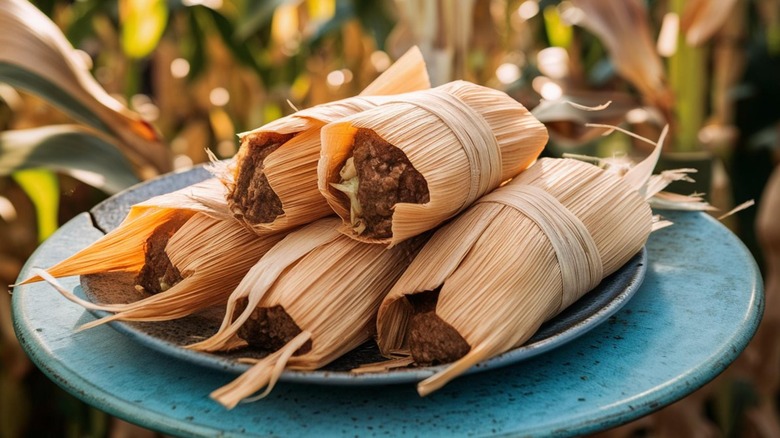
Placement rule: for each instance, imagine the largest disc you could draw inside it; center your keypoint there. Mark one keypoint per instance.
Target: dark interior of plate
(169, 337)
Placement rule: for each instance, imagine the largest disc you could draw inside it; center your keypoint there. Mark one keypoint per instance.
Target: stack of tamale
(525, 238)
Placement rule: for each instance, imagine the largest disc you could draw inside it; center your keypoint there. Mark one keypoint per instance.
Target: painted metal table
(698, 307)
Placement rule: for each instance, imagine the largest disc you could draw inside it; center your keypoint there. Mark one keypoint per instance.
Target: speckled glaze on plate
(169, 337)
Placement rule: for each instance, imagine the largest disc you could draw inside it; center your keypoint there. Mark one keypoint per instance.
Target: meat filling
(431, 340)
(269, 329)
(158, 273)
(252, 197)
(375, 178)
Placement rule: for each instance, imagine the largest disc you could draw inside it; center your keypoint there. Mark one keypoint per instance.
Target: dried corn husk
(328, 284)
(522, 254)
(122, 249)
(279, 191)
(213, 255)
(462, 138)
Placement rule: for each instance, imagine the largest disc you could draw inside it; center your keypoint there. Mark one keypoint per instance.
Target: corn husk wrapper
(522, 254)
(464, 139)
(122, 248)
(291, 170)
(212, 255)
(330, 285)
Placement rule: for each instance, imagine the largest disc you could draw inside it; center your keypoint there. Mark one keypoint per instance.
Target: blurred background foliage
(96, 95)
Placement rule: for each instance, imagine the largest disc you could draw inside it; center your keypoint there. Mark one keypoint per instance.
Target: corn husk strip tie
(576, 251)
(474, 134)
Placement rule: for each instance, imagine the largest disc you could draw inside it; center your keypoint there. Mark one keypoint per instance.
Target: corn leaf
(623, 27)
(257, 15)
(78, 151)
(36, 56)
(143, 23)
(42, 187)
(701, 19)
(559, 33)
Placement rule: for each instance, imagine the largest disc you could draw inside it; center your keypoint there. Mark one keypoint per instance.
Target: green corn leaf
(16, 76)
(258, 15)
(238, 47)
(42, 187)
(143, 24)
(559, 33)
(36, 56)
(80, 152)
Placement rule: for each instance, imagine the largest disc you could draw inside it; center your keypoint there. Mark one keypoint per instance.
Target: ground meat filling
(385, 178)
(158, 273)
(269, 328)
(431, 340)
(252, 197)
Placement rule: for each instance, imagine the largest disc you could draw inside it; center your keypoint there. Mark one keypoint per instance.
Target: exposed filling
(431, 340)
(374, 179)
(269, 328)
(251, 195)
(158, 273)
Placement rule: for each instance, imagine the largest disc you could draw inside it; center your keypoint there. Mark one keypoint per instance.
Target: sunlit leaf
(285, 23)
(559, 33)
(35, 55)
(624, 28)
(142, 24)
(237, 47)
(83, 13)
(321, 10)
(42, 187)
(701, 19)
(271, 111)
(81, 152)
(258, 14)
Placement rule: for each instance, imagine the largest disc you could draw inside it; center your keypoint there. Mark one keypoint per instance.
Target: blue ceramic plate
(168, 337)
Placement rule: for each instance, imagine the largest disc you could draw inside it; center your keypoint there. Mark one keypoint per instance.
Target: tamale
(186, 255)
(310, 299)
(122, 249)
(486, 281)
(211, 257)
(272, 181)
(419, 159)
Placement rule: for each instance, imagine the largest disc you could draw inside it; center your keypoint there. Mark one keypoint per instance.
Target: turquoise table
(699, 305)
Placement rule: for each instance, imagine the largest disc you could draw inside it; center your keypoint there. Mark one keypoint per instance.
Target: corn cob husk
(122, 249)
(278, 191)
(463, 139)
(329, 285)
(520, 255)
